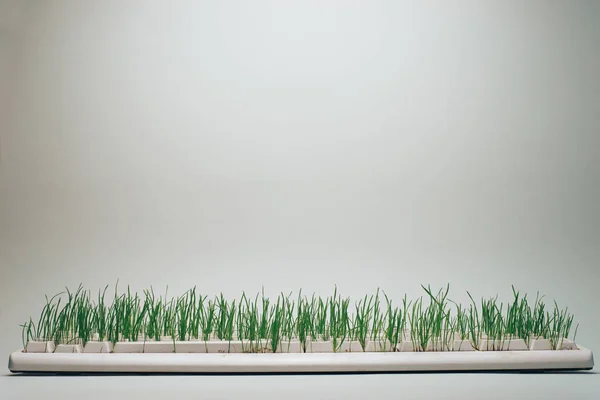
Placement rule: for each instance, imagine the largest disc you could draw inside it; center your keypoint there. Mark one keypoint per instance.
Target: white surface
(69, 348)
(495, 386)
(239, 144)
(298, 363)
(98, 347)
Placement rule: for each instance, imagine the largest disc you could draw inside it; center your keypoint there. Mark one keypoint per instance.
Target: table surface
(555, 385)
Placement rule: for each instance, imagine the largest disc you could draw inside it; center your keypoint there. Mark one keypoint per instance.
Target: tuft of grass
(559, 326)
(362, 320)
(395, 322)
(474, 324)
(321, 325)
(27, 332)
(100, 316)
(74, 317)
(264, 318)
(377, 320)
(184, 311)
(222, 315)
(438, 316)
(84, 318)
(230, 322)
(461, 322)
(207, 319)
(154, 309)
(277, 316)
(421, 320)
(304, 321)
(539, 323)
(492, 321)
(339, 321)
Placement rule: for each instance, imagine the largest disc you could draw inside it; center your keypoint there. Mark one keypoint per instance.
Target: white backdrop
(300, 144)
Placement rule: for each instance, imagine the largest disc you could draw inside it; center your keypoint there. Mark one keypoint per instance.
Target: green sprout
(76, 317)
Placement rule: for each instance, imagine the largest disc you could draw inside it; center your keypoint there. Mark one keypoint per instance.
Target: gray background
(300, 144)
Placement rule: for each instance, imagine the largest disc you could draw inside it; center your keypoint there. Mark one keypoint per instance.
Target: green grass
(99, 316)
(492, 323)
(438, 317)
(304, 321)
(207, 319)
(474, 323)
(289, 320)
(78, 316)
(421, 320)
(395, 322)
(184, 310)
(559, 327)
(320, 317)
(362, 320)
(247, 321)
(277, 316)
(154, 309)
(460, 322)
(265, 317)
(339, 319)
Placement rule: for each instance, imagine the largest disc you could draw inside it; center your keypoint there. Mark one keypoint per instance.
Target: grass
(474, 324)
(288, 325)
(438, 317)
(289, 321)
(99, 316)
(420, 320)
(207, 319)
(339, 320)
(184, 311)
(377, 320)
(247, 324)
(560, 323)
(362, 320)
(154, 309)
(492, 323)
(320, 318)
(461, 322)
(275, 325)
(264, 318)
(304, 321)
(395, 322)
(433, 320)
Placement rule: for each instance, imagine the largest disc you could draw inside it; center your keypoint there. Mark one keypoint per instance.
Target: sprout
(395, 322)
(362, 320)
(76, 317)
